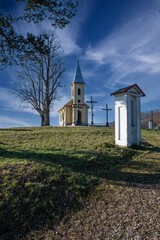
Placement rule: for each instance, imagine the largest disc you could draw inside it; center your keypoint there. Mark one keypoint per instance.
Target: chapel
(75, 112)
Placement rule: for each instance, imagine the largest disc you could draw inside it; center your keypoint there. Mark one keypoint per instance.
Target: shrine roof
(126, 89)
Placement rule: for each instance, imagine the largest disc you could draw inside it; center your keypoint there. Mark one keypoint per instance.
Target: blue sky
(117, 43)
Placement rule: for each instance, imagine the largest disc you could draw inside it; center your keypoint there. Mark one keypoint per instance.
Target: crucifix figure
(78, 114)
(107, 110)
(92, 115)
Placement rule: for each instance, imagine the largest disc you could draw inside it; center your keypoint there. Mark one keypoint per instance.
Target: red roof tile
(126, 89)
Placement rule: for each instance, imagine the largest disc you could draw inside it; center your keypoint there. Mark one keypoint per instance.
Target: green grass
(48, 173)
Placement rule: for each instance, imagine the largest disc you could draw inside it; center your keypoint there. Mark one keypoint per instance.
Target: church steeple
(75, 111)
(77, 87)
(78, 78)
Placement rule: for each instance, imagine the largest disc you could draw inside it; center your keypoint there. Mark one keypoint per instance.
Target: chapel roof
(126, 89)
(78, 78)
(70, 104)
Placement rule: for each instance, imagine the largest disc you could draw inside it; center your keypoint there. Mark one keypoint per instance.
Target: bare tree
(40, 77)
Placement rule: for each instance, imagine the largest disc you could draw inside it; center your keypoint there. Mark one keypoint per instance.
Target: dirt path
(119, 210)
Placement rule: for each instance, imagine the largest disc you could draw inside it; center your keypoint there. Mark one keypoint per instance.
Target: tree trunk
(47, 104)
(42, 120)
(47, 118)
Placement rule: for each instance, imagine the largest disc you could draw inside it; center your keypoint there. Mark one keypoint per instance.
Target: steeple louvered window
(79, 91)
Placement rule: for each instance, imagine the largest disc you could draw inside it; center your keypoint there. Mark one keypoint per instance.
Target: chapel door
(79, 117)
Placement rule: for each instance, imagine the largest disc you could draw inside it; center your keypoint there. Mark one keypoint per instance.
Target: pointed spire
(78, 78)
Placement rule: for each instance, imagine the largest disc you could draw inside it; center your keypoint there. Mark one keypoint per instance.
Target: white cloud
(59, 104)
(68, 41)
(66, 36)
(131, 49)
(10, 102)
(10, 122)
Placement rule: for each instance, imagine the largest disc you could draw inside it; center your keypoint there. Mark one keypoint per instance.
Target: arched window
(79, 91)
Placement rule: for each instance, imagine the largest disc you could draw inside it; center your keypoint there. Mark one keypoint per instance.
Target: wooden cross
(107, 110)
(92, 115)
(152, 117)
(78, 107)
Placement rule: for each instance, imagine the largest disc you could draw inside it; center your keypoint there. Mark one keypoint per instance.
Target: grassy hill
(74, 183)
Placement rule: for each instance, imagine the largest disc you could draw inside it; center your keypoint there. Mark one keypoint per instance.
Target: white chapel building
(75, 112)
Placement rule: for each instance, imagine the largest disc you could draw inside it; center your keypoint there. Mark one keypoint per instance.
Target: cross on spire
(92, 115)
(107, 110)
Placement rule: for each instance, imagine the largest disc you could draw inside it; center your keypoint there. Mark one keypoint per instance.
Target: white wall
(74, 93)
(138, 120)
(127, 120)
(121, 120)
(61, 118)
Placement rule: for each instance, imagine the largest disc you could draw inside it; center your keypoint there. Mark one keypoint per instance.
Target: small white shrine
(128, 116)
(150, 124)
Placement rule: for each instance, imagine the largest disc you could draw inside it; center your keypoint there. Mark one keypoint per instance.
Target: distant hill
(145, 117)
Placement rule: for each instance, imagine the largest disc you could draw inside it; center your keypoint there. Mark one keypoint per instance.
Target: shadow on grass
(17, 130)
(50, 194)
(99, 165)
(88, 163)
(145, 146)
